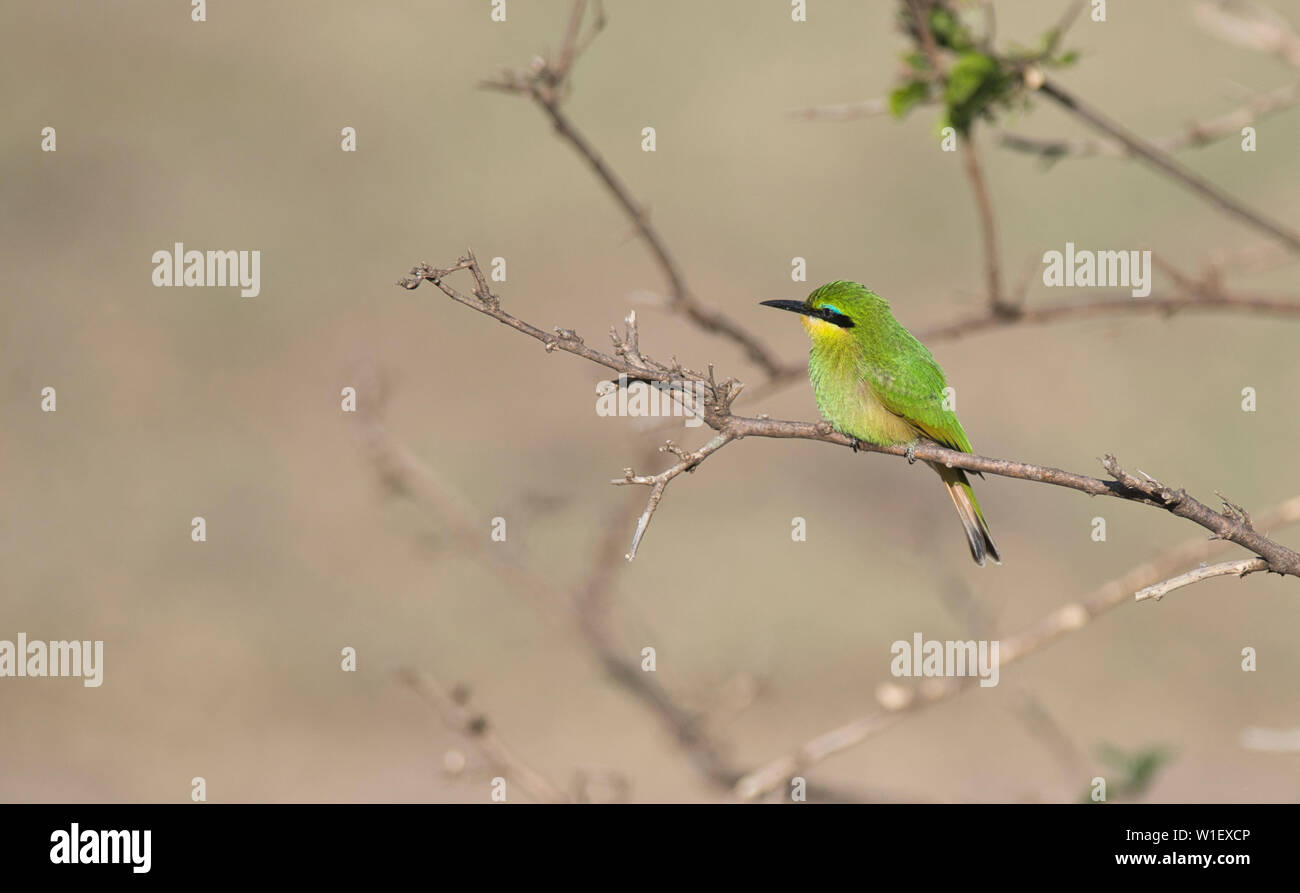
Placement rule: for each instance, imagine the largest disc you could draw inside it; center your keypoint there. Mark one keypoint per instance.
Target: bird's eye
(833, 309)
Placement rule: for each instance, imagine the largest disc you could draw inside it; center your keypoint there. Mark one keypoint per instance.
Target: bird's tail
(968, 509)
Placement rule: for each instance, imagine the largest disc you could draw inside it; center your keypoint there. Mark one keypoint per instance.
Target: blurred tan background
(222, 658)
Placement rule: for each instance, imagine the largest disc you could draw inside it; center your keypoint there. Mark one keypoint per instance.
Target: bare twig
(1195, 134)
(1169, 166)
(988, 229)
(1258, 258)
(1068, 18)
(920, 12)
(1271, 740)
(1239, 568)
(658, 482)
(1250, 25)
(848, 111)
(569, 47)
(1219, 302)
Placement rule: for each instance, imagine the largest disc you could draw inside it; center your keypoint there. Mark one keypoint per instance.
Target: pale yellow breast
(872, 422)
(847, 401)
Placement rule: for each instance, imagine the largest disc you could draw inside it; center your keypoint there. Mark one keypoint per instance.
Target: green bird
(878, 384)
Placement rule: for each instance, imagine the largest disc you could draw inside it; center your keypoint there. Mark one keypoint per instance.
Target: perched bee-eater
(876, 383)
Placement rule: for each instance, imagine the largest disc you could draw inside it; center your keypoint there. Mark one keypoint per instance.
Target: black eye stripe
(834, 318)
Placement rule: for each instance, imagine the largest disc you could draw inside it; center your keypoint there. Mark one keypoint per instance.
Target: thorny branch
(547, 85)
(716, 413)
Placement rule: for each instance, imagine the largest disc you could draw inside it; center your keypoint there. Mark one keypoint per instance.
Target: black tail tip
(982, 548)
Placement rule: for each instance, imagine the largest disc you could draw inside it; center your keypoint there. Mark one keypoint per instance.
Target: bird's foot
(910, 453)
(854, 443)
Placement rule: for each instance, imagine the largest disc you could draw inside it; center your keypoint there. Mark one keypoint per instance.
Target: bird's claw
(854, 443)
(910, 453)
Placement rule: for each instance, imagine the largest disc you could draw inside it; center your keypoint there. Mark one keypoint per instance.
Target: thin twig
(1169, 166)
(1250, 25)
(659, 482)
(998, 305)
(919, 10)
(988, 229)
(1220, 302)
(1240, 568)
(1194, 135)
(848, 111)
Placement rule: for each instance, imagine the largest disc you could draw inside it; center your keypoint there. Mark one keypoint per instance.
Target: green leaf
(975, 81)
(967, 76)
(1135, 770)
(902, 99)
(949, 30)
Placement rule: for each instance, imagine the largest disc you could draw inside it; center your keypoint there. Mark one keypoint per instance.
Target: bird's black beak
(792, 306)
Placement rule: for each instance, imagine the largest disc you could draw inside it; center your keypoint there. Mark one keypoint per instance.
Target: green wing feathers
(909, 383)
